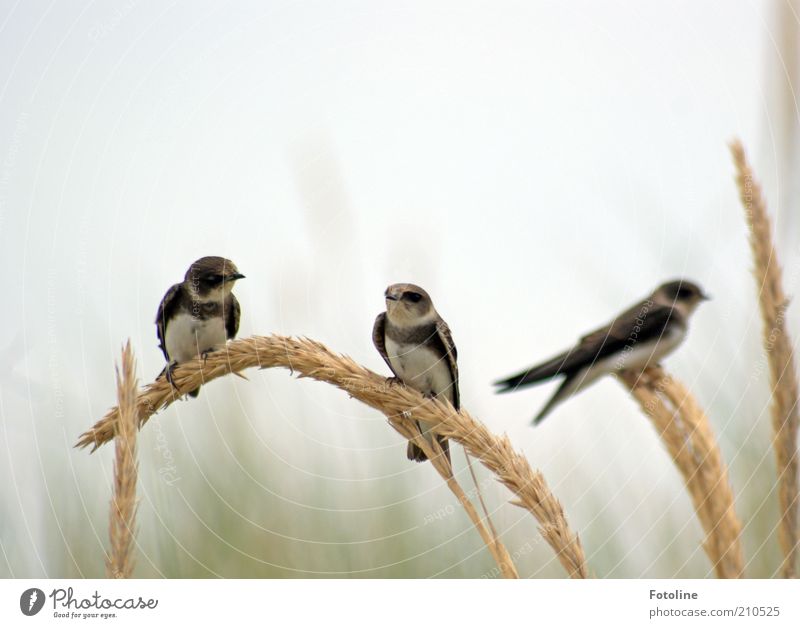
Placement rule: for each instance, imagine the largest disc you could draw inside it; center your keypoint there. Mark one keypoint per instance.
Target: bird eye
(414, 297)
(684, 293)
(213, 279)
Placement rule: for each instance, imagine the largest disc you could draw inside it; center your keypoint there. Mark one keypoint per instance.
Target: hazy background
(536, 166)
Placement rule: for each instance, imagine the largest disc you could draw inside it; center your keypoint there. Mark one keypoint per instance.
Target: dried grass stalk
(687, 435)
(445, 470)
(401, 405)
(122, 519)
(778, 345)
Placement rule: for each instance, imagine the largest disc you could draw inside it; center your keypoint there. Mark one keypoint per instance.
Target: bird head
(682, 294)
(408, 305)
(212, 278)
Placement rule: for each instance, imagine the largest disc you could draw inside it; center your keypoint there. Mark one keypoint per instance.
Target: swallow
(638, 337)
(200, 314)
(418, 347)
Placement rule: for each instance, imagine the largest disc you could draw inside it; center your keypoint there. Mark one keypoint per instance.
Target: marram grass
(122, 518)
(402, 406)
(689, 439)
(778, 346)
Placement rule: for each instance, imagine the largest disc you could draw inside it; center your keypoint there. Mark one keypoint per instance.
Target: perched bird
(199, 314)
(417, 345)
(638, 337)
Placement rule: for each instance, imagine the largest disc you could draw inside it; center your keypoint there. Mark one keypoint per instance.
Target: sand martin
(638, 337)
(417, 345)
(199, 314)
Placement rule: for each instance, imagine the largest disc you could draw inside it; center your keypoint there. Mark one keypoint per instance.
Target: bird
(199, 314)
(417, 345)
(638, 337)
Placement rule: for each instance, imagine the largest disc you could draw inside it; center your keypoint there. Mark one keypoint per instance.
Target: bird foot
(167, 372)
(389, 382)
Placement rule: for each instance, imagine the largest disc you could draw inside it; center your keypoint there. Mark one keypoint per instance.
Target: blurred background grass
(536, 166)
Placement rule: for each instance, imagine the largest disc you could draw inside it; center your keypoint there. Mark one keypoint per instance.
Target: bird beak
(391, 297)
(235, 276)
(705, 297)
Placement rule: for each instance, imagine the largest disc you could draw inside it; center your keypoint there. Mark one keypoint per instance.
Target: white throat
(400, 317)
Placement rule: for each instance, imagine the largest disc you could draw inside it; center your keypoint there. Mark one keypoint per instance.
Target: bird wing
(232, 317)
(638, 323)
(446, 338)
(379, 338)
(165, 311)
(598, 344)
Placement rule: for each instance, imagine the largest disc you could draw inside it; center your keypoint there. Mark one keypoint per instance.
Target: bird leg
(167, 372)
